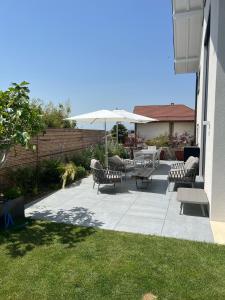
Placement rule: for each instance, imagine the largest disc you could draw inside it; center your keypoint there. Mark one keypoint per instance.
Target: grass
(57, 261)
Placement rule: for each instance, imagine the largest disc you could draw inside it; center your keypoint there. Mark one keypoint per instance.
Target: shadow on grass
(18, 242)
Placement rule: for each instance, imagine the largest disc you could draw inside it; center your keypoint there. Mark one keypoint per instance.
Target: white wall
(215, 136)
(181, 127)
(154, 129)
(218, 114)
(151, 130)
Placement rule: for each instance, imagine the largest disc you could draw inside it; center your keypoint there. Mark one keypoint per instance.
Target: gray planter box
(15, 207)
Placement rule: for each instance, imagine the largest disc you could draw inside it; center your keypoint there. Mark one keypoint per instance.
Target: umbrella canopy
(133, 118)
(100, 116)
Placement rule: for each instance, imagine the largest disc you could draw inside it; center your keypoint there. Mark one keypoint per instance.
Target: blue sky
(97, 53)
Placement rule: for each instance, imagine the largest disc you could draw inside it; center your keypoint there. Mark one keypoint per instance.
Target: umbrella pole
(117, 132)
(106, 148)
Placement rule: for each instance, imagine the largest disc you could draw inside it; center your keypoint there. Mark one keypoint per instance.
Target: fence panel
(54, 143)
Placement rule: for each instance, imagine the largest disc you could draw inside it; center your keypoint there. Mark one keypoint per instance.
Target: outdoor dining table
(147, 152)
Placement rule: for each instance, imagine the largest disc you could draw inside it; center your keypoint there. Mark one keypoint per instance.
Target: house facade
(199, 47)
(171, 119)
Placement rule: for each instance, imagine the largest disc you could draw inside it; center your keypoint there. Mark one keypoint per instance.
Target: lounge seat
(186, 173)
(181, 164)
(118, 164)
(104, 176)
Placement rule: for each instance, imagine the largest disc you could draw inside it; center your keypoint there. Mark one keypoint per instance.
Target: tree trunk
(3, 157)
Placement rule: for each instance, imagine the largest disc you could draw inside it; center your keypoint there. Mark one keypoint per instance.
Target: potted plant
(12, 199)
(178, 142)
(161, 141)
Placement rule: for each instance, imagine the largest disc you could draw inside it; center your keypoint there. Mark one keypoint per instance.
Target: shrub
(49, 172)
(25, 179)
(83, 158)
(12, 193)
(68, 172)
(181, 140)
(159, 141)
(117, 149)
(80, 172)
(98, 152)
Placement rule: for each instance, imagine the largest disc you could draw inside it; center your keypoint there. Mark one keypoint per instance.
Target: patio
(148, 211)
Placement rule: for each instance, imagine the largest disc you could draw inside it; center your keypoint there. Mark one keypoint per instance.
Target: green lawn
(56, 261)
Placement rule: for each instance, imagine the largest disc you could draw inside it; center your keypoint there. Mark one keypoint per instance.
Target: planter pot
(162, 155)
(179, 154)
(15, 207)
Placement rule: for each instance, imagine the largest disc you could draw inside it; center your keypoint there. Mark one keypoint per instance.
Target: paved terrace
(150, 211)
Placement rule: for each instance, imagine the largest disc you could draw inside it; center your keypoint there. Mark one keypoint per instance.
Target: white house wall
(181, 127)
(154, 129)
(218, 128)
(151, 130)
(215, 138)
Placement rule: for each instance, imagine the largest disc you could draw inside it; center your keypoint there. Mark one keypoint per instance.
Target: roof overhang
(187, 31)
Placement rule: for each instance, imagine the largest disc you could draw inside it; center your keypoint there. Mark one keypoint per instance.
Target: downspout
(196, 100)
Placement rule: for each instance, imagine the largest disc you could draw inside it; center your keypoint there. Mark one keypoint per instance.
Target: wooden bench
(192, 196)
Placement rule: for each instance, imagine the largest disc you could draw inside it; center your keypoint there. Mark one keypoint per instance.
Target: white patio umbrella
(100, 116)
(133, 118)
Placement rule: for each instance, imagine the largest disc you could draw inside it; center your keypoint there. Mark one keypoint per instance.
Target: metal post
(117, 132)
(106, 148)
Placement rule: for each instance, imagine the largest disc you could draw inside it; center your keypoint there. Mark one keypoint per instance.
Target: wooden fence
(55, 143)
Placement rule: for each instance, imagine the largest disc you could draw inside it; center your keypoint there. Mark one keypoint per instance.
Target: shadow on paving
(156, 186)
(163, 169)
(18, 242)
(76, 215)
(193, 210)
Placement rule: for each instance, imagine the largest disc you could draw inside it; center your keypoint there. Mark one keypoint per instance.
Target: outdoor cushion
(189, 162)
(96, 164)
(192, 165)
(116, 160)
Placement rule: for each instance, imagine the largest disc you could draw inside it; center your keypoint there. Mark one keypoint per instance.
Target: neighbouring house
(171, 119)
(199, 47)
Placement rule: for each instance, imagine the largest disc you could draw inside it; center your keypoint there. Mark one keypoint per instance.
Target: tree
(122, 132)
(54, 116)
(20, 119)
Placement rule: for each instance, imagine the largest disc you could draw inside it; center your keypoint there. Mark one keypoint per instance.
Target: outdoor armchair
(104, 176)
(186, 173)
(181, 164)
(118, 164)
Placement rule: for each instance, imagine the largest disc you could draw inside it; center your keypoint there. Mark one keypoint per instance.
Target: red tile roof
(172, 112)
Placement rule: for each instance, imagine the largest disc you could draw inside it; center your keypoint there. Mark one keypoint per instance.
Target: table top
(188, 195)
(147, 151)
(143, 172)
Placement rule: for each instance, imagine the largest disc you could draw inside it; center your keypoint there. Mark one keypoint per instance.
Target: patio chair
(104, 176)
(123, 165)
(186, 173)
(181, 164)
(157, 158)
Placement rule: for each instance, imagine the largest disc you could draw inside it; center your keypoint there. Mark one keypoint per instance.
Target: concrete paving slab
(188, 229)
(149, 211)
(140, 224)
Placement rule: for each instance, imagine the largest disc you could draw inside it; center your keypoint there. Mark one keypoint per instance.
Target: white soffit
(187, 30)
